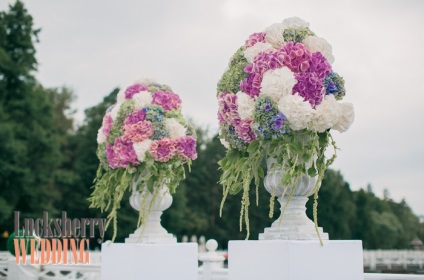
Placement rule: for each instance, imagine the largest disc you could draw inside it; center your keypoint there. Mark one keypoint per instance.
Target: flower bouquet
(279, 99)
(143, 144)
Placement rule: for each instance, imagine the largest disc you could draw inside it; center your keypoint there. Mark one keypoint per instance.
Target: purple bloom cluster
(135, 117)
(310, 70)
(136, 88)
(227, 112)
(255, 38)
(167, 100)
(121, 154)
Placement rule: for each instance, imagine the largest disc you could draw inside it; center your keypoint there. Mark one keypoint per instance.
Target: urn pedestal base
(131, 261)
(295, 260)
(294, 224)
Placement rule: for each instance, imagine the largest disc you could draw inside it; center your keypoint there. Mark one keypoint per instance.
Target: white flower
(251, 52)
(347, 115)
(326, 114)
(224, 143)
(141, 148)
(278, 83)
(294, 22)
(297, 111)
(274, 35)
(318, 44)
(142, 99)
(115, 111)
(145, 81)
(245, 105)
(101, 137)
(120, 98)
(176, 130)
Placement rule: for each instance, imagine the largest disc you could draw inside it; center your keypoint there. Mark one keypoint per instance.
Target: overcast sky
(93, 46)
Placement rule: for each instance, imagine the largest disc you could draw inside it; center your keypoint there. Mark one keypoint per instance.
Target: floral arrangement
(143, 141)
(279, 97)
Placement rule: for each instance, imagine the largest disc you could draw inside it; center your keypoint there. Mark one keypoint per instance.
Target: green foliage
(294, 152)
(296, 35)
(230, 81)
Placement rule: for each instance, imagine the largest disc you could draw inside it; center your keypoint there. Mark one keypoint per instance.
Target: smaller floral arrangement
(144, 141)
(279, 98)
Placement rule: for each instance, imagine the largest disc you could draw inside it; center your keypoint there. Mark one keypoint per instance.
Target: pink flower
(255, 38)
(136, 88)
(163, 150)
(135, 117)
(244, 131)
(168, 100)
(227, 111)
(121, 153)
(186, 146)
(138, 132)
(107, 124)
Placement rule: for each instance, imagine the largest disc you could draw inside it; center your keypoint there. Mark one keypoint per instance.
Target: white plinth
(295, 260)
(149, 261)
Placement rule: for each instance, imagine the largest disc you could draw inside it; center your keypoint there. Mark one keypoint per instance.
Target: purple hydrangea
(121, 154)
(255, 38)
(136, 88)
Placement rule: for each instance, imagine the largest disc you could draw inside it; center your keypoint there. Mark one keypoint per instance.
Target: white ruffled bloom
(245, 105)
(145, 81)
(347, 115)
(251, 52)
(115, 111)
(318, 44)
(120, 98)
(326, 114)
(294, 22)
(101, 137)
(274, 35)
(224, 143)
(141, 148)
(176, 130)
(278, 83)
(297, 111)
(142, 99)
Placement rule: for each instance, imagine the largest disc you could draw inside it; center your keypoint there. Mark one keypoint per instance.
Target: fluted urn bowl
(293, 224)
(151, 231)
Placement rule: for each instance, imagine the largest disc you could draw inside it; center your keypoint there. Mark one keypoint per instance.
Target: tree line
(48, 164)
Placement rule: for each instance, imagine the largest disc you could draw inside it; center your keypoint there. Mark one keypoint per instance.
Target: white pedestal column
(295, 260)
(134, 261)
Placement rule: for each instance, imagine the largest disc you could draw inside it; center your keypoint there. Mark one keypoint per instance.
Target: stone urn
(293, 224)
(151, 231)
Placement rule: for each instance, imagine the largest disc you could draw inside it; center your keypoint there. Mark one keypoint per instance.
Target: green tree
(29, 150)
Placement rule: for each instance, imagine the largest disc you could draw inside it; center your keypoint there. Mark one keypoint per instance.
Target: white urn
(151, 231)
(293, 224)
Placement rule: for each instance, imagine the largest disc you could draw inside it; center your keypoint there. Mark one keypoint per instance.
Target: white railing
(406, 260)
(212, 267)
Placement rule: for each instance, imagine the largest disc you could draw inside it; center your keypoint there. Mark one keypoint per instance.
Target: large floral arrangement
(144, 141)
(279, 97)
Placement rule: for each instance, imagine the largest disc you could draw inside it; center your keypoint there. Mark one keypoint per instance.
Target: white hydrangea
(115, 111)
(318, 44)
(142, 99)
(294, 22)
(101, 137)
(145, 81)
(297, 111)
(347, 115)
(245, 105)
(176, 130)
(120, 98)
(278, 83)
(326, 114)
(274, 35)
(251, 52)
(141, 148)
(224, 143)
